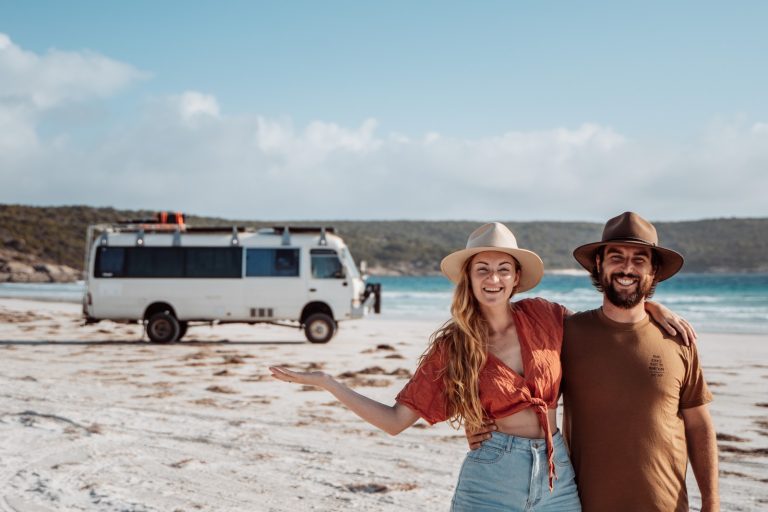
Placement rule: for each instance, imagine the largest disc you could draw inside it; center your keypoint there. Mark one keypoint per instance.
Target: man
(635, 397)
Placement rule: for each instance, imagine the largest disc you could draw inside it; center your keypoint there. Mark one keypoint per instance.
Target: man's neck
(624, 316)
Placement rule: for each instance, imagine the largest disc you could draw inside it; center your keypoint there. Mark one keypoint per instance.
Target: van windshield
(326, 264)
(349, 262)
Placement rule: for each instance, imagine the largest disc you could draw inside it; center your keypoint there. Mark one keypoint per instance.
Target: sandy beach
(95, 418)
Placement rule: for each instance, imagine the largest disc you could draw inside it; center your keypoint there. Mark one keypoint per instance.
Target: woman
(494, 360)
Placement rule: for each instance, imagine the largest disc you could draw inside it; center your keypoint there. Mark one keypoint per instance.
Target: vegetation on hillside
(57, 235)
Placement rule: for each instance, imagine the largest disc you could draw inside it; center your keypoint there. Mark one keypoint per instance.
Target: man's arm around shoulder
(702, 452)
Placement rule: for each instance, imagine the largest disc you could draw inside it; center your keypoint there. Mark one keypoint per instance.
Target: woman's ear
(517, 278)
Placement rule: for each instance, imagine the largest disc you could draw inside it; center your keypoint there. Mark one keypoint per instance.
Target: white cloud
(183, 152)
(328, 137)
(44, 81)
(193, 104)
(17, 130)
(273, 137)
(254, 167)
(5, 41)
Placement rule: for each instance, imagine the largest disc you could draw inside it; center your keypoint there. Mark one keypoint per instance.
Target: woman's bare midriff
(526, 424)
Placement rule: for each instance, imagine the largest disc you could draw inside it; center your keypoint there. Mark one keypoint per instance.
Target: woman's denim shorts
(512, 473)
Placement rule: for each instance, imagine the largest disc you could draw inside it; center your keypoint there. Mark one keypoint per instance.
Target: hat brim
(670, 264)
(531, 266)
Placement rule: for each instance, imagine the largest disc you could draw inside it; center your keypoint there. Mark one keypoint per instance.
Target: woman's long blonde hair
(463, 341)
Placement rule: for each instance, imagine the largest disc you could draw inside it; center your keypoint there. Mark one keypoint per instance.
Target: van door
(329, 282)
(273, 287)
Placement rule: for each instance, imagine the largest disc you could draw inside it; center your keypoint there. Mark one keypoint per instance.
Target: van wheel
(163, 328)
(182, 330)
(319, 328)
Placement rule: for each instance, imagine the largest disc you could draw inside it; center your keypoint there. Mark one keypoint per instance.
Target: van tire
(182, 330)
(163, 328)
(319, 328)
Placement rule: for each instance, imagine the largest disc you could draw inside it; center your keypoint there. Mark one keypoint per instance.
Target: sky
(512, 110)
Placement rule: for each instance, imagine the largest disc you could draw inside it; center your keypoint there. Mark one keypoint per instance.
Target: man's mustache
(622, 274)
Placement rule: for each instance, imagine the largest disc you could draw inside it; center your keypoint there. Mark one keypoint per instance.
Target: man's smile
(626, 281)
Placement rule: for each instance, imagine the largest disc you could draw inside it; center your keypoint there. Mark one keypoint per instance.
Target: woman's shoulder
(436, 351)
(542, 311)
(537, 304)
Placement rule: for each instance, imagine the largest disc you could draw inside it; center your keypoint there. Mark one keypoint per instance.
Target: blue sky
(510, 110)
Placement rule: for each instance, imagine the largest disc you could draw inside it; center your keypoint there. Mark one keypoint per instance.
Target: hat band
(629, 239)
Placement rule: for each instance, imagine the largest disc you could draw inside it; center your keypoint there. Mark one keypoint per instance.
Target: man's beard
(626, 299)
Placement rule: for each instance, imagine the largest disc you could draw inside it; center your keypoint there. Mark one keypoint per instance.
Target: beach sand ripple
(96, 418)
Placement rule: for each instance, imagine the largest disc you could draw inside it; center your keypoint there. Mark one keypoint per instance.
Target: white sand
(92, 419)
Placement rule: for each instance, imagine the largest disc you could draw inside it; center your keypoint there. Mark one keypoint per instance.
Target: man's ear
(597, 263)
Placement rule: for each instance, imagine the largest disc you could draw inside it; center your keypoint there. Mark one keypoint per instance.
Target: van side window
(326, 264)
(213, 262)
(169, 262)
(154, 262)
(109, 262)
(272, 263)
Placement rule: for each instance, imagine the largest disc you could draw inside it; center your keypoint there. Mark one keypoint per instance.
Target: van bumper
(371, 301)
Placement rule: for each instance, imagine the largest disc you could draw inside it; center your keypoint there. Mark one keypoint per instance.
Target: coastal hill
(47, 243)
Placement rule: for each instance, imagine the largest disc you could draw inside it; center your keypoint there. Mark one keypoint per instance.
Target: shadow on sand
(145, 343)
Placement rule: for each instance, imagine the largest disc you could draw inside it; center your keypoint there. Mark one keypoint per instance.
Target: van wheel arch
(158, 307)
(318, 322)
(161, 323)
(315, 307)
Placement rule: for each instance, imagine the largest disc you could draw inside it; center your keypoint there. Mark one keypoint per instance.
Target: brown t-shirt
(624, 386)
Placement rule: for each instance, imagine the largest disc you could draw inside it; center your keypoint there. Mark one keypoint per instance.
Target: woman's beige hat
(495, 237)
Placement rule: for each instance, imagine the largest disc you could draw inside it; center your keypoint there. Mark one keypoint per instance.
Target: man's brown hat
(631, 229)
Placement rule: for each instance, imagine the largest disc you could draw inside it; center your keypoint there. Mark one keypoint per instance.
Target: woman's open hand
(308, 378)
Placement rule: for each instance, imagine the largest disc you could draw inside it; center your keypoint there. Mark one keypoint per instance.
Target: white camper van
(169, 275)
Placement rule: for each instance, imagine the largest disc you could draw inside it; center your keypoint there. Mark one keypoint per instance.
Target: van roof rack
(303, 229)
(132, 227)
(217, 229)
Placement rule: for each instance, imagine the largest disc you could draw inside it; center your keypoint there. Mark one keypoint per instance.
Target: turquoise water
(60, 292)
(713, 302)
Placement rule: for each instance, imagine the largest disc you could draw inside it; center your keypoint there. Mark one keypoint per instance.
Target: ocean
(712, 302)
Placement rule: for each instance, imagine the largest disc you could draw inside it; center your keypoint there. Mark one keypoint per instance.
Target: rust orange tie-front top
(503, 391)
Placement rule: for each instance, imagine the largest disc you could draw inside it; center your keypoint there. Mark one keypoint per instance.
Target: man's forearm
(702, 452)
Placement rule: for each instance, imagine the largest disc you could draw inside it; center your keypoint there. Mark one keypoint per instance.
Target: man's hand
(475, 439)
(672, 322)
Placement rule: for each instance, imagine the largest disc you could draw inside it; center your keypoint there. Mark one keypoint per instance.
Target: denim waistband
(507, 442)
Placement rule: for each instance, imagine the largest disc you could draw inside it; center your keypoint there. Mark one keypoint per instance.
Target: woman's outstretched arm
(391, 419)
